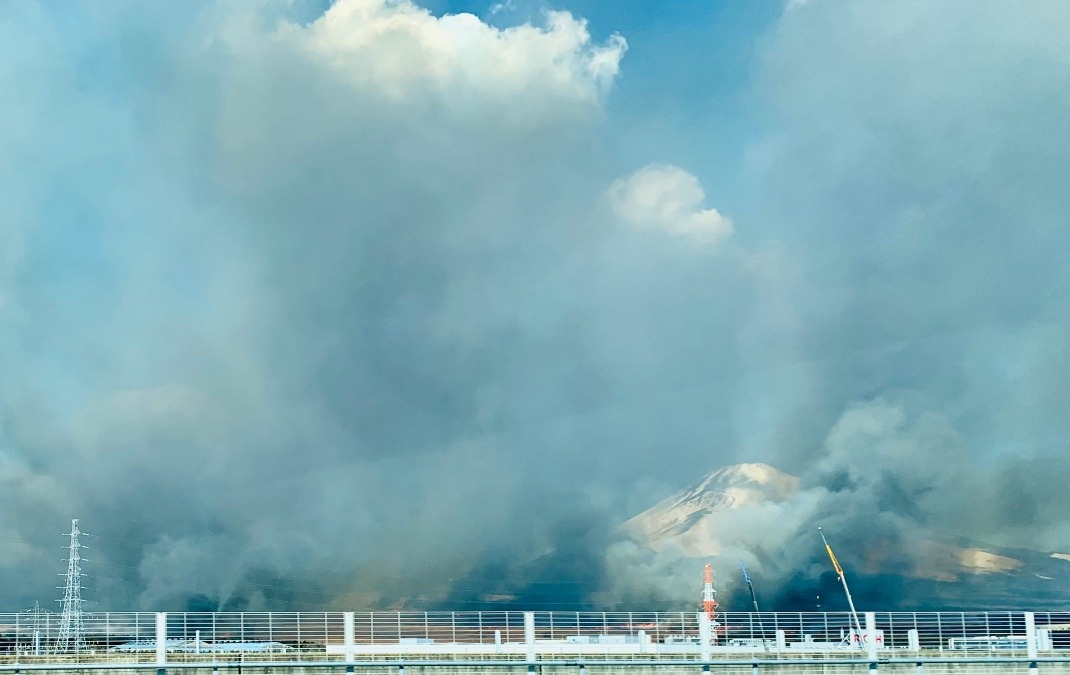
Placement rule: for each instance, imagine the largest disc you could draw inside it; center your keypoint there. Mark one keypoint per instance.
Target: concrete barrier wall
(825, 669)
(636, 668)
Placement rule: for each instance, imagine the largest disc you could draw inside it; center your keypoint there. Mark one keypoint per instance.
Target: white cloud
(398, 48)
(507, 6)
(665, 197)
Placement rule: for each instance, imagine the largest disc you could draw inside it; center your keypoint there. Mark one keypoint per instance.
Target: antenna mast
(71, 627)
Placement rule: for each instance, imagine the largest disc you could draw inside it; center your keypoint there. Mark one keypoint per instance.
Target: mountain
(692, 518)
(736, 508)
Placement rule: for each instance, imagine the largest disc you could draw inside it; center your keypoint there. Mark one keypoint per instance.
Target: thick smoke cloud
(934, 230)
(919, 371)
(357, 308)
(299, 322)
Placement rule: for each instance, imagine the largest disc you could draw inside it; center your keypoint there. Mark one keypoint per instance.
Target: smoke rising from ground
(362, 308)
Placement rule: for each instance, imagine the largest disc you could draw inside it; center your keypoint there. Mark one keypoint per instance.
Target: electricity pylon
(71, 636)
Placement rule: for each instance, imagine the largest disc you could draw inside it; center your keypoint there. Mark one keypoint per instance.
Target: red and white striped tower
(709, 602)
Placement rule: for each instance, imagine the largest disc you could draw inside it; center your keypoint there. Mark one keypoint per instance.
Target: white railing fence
(184, 637)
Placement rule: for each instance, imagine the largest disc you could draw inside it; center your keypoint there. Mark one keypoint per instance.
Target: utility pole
(37, 628)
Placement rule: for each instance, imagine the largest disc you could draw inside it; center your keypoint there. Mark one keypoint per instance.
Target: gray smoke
(296, 315)
(922, 175)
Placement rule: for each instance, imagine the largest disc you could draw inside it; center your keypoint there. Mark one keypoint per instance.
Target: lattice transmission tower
(71, 636)
(709, 600)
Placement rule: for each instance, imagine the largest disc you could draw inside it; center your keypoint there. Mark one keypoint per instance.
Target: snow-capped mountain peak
(695, 509)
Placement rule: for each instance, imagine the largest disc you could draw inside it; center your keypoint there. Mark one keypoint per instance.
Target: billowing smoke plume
(935, 233)
(360, 308)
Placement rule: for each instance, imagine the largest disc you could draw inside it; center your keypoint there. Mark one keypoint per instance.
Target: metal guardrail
(144, 640)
